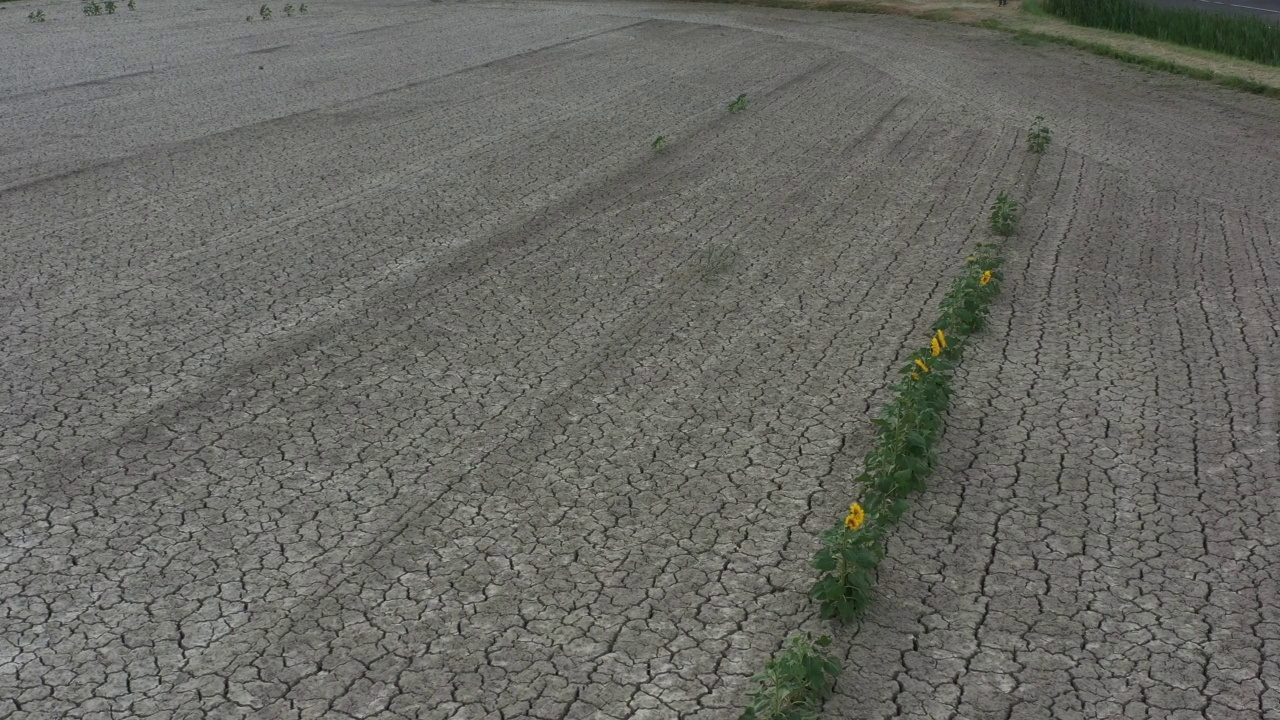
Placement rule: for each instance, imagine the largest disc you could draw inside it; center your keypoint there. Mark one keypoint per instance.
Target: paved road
(360, 366)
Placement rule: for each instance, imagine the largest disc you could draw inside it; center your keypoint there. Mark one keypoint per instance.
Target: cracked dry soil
(381, 382)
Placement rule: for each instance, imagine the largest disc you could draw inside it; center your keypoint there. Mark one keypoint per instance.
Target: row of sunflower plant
(903, 453)
(801, 677)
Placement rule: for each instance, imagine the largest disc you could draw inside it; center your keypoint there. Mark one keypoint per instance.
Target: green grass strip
(908, 426)
(1243, 36)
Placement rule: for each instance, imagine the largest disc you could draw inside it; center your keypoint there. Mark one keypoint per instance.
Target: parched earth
(363, 364)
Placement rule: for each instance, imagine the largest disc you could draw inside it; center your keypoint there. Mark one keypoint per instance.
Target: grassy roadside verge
(1037, 26)
(1243, 36)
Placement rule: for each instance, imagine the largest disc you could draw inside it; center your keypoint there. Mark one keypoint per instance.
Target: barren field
(363, 364)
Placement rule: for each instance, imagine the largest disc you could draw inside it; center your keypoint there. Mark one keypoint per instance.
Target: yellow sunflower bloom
(921, 365)
(934, 347)
(855, 518)
(986, 278)
(942, 338)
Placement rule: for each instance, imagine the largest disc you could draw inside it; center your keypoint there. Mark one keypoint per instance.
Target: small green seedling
(739, 104)
(302, 8)
(110, 6)
(248, 18)
(716, 259)
(92, 8)
(288, 11)
(37, 16)
(1038, 136)
(264, 12)
(1004, 215)
(132, 5)
(659, 143)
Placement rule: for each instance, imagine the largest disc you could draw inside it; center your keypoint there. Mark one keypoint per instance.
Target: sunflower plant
(1004, 215)
(1039, 136)
(902, 455)
(964, 308)
(794, 683)
(850, 553)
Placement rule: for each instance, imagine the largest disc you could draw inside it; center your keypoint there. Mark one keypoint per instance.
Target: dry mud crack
(381, 382)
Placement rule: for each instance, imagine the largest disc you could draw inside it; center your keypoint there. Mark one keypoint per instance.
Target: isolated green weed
(302, 9)
(739, 104)
(716, 259)
(1004, 215)
(91, 7)
(132, 5)
(659, 143)
(288, 11)
(110, 7)
(37, 16)
(264, 12)
(795, 682)
(1038, 136)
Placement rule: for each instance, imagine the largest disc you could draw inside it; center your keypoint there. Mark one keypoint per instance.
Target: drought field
(509, 359)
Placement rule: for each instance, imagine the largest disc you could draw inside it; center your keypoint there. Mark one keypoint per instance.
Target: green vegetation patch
(1039, 136)
(1004, 215)
(795, 683)
(1241, 36)
(903, 455)
(716, 259)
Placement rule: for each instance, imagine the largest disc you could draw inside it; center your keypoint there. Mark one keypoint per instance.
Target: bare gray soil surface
(362, 364)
